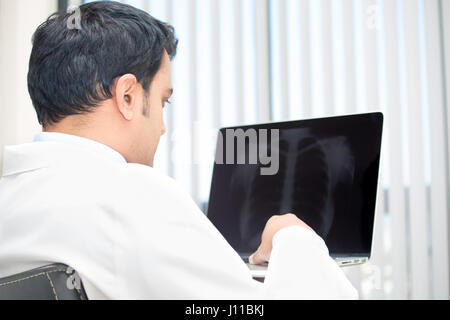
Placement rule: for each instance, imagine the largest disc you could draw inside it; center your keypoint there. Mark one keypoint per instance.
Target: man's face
(149, 125)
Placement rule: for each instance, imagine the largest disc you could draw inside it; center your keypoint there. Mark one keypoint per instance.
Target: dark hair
(71, 70)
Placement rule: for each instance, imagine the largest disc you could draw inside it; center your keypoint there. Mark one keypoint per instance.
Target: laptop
(324, 170)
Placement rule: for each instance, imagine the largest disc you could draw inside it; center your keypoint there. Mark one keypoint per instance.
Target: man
(85, 194)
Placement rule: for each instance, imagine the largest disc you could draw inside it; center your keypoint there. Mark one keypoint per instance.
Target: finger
(257, 258)
(251, 259)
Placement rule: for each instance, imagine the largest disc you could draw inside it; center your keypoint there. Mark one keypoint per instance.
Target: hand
(275, 224)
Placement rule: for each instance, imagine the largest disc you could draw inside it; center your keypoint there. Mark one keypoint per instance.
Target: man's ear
(125, 96)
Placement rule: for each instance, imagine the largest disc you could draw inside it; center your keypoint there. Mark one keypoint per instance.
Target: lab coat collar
(82, 142)
(37, 155)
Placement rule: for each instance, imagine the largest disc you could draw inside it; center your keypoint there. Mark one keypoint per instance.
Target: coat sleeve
(170, 250)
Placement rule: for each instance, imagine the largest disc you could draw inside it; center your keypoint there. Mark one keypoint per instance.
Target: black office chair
(53, 282)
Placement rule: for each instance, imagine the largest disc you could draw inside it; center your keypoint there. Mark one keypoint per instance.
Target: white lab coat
(133, 233)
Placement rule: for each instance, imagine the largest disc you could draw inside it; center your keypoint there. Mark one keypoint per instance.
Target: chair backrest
(53, 282)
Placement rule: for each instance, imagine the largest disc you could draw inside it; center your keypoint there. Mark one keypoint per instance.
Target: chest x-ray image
(323, 175)
(305, 184)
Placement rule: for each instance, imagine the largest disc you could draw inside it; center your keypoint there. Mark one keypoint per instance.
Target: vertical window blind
(248, 61)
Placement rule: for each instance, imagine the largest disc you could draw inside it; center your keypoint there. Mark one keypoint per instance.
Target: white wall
(18, 20)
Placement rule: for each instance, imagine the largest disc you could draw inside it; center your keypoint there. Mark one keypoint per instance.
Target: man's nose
(163, 130)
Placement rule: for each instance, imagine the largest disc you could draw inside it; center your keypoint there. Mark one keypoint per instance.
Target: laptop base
(259, 271)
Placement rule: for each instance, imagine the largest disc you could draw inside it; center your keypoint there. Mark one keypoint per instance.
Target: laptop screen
(323, 170)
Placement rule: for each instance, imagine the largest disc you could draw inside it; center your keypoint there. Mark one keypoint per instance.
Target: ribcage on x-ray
(264, 199)
(266, 191)
(309, 171)
(311, 185)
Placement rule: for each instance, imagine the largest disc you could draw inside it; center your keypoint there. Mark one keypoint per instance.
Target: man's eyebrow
(169, 92)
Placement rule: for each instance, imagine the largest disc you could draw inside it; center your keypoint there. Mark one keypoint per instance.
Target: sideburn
(146, 106)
